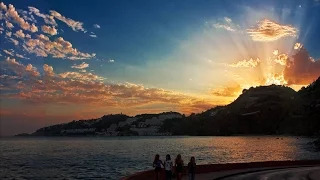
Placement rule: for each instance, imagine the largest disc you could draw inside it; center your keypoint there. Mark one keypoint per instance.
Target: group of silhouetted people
(173, 171)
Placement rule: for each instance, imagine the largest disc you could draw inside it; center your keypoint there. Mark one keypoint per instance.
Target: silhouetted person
(179, 167)
(168, 167)
(157, 165)
(192, 168)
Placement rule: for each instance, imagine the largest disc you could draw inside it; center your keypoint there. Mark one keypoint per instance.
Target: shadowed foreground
(272, 170)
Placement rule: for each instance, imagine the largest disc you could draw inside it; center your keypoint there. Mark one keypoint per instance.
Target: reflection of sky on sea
(112, 158)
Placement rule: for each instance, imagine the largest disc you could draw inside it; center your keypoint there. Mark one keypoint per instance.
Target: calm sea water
(112, 158)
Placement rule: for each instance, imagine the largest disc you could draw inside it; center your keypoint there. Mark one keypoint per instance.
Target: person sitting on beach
(157, 165)
(192, 168)
(168, 167)
(179, 167)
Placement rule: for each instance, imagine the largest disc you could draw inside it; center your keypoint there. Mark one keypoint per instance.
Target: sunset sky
(71, 60)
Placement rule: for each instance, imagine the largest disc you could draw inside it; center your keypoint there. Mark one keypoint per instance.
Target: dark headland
(264, 110)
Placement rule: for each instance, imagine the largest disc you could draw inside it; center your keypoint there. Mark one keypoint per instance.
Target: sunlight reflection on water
(111, 158)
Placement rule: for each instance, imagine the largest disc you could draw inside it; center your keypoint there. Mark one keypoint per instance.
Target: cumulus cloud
(89, 89)
(19, 34)
(49, 30)
(47, 18)
(21, 70)
(14, 15)
(79, 76)
(8, 34)
(96, 26)
(267, 30)
(9, 25)
(74, 25)
(80, 66)
(251, 63)
(302, 69)
(59, 48)
(228, 91)
(3, 6)
(93, 35)
(281, 59)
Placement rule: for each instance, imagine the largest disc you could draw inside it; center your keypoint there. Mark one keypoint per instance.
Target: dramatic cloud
(47, 18)
(13, 14)
(19, 34)
(88, 89)
(270, 31)
(75, 25)
(80, 66)
(96, 26)
(60, 48)
(228, 91)
(251, 63)
(297, 46)
(302, 69)
(281, 59)
(21, 70)
(93, 35)
(275, 78)
(49, 30)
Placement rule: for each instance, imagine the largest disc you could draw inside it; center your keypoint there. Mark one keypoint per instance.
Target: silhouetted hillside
(261, 110)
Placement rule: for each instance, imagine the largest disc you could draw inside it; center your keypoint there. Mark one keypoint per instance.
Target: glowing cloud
(49, 30)
(297, 46)
(281, 59)
(251, 63)
(88, 89)
(302, 69)
(13, 14)
(19, 34)
(228, 91)
(277, 79)
(60, 48)
(271, 31)
(8, 34)
(9, 25)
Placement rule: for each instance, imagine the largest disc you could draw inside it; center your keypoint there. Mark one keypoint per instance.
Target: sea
(116, 157)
